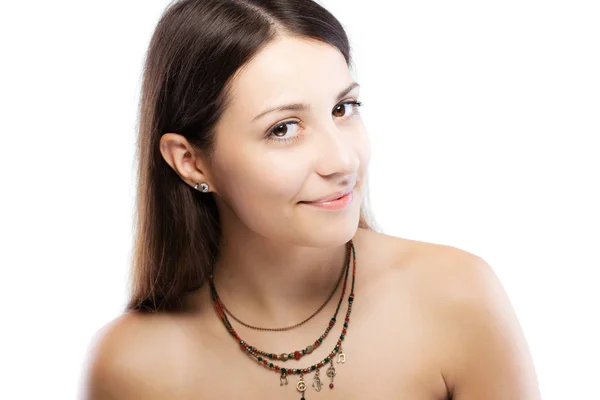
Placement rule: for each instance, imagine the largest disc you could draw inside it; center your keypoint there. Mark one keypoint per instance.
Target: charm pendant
(341, 357)
(317, 382)
(331, 374)
(301, 385)
(283, 380)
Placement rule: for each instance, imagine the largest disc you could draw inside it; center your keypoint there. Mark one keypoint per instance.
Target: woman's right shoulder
(138, 355)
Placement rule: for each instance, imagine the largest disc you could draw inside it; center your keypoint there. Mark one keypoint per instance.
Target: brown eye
(346, 109)
(339, 111)
(284, 131)
(280, 130)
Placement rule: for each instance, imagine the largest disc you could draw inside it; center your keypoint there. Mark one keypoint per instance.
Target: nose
(337, 151)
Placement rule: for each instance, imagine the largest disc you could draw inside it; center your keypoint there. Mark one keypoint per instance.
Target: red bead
(317, 343)
(331, 386)
(297, 355)
(343, 331)
(320, 364)
(347, 319)
(277, 368)
(274, 356)
(331, 323)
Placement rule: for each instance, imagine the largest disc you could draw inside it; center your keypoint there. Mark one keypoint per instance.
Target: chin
(329, 233)
(314, 227)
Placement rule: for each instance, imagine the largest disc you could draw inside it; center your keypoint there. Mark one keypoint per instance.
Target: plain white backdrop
(484, 120)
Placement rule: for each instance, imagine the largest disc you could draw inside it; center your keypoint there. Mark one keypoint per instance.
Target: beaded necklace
(284, 372)
(287, 328)
(284, 356)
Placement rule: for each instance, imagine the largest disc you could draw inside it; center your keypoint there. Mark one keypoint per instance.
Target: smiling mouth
(338, 196)
(323, 201)
(334, 204)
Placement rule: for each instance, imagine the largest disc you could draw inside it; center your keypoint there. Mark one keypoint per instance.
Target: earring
(203, 187)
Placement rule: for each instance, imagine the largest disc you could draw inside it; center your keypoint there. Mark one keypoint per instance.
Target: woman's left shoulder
(445, 270)
(481, 341)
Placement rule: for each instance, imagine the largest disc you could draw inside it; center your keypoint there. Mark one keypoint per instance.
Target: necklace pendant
(301, 385)
(317, 385)
(331, 374)
(341, 357)
(283, 380)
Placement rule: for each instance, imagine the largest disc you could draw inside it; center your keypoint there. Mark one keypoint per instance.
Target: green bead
(326, 359)
(260, 358)
(271, 365)
(298, 371)
(283, 370)
(320, 340)
(342, 337)
(313, 367)
(346, 325)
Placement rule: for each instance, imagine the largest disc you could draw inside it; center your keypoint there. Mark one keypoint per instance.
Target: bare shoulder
(434, 268)
(141, 355)
(448, 274)
(482, 346)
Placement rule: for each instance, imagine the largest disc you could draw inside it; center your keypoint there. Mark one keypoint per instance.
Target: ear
(181, 156)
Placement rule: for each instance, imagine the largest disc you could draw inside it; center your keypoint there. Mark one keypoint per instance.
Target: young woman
(257, 273)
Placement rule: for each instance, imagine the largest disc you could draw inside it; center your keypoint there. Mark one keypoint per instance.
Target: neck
(272, 283)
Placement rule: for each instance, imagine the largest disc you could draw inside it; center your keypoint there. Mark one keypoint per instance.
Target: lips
(331, 197)
(339, 204)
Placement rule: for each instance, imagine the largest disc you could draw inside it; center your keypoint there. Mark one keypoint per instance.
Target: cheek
(252, 184)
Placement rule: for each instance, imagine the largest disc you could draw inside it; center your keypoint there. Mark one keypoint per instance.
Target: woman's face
(267, 161)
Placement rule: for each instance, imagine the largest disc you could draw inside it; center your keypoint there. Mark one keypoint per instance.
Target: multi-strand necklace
(287, 328)
(266, 359)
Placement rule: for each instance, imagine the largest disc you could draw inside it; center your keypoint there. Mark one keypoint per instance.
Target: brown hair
(197, 46)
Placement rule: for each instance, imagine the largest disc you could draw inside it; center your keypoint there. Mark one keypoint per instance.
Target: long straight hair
(196, 48)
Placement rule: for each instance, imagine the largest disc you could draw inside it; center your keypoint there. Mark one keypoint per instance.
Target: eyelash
(271, 137)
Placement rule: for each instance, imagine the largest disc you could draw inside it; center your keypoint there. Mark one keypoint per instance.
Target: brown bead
(310, 349)
(284, 356)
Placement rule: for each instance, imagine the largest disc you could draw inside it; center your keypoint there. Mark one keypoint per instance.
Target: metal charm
(301, 385)
(341, 357)
(331, 371)
(317, 382)
(283, 380)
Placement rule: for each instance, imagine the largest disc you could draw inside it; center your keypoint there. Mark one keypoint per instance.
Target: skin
(429, 322)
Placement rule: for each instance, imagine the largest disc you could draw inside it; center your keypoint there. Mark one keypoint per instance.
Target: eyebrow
(303, 107)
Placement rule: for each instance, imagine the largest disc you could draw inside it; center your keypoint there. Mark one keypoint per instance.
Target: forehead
(288, 70)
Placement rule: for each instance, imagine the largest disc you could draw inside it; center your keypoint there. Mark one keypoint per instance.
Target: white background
(484, 119)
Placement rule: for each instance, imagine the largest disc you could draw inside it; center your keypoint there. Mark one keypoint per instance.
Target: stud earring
(203, 187)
